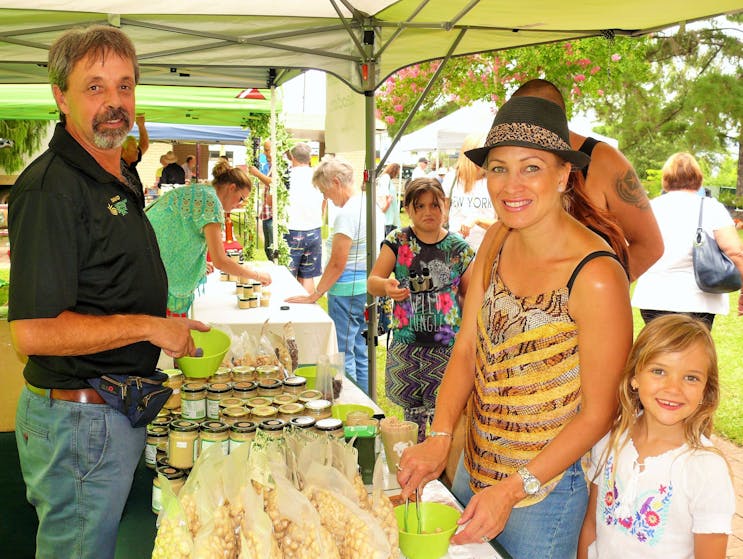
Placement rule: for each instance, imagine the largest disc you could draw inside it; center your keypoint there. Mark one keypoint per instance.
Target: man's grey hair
(302, 153)
(330, 168)
(98, 41)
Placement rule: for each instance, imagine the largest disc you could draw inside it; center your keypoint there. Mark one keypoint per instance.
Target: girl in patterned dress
(659, 488)
(431, 274)
(545, 334)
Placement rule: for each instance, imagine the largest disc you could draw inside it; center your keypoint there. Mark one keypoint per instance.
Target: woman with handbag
(669, 286)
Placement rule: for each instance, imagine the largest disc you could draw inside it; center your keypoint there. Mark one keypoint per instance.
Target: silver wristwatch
(531, 483)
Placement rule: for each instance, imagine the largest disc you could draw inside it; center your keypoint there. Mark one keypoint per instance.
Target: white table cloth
(313, 328)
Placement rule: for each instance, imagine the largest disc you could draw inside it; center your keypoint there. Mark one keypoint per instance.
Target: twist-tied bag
(714, 272)
(139, 398)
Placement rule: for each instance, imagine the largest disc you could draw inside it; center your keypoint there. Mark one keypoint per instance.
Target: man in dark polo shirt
(87, 297)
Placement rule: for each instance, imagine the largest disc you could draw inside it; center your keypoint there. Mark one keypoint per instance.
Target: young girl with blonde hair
(659, 487)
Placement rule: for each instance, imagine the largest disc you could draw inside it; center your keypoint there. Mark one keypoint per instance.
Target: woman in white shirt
(669, 285)
(470, 208)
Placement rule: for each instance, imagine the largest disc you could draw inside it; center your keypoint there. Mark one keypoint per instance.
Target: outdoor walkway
(734, 455)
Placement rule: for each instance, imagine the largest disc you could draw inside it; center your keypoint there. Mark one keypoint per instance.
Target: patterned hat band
(522, 132)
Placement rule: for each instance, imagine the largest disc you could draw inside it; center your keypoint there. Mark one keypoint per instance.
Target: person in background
(387, 197)
(87, 298)
(669, 285)
(421, 170)
(266, 214)
(470, 208)
(172, 172)
(159, 172)
(189, 167)
(611, 184)
(659, 487)
(531, 360)
(188, 221)
(431, 273)
(132, 151)
(305, 210)
(344, 278)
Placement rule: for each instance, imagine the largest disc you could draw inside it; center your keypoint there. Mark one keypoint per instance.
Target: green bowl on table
(310, 373)
(438, 524)
(214, 345)
(341, 411)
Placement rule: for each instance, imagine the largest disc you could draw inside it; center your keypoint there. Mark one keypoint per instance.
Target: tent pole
(371, 227)
(274, 177)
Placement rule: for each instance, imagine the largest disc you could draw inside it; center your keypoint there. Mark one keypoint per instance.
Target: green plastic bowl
(341, 411)
(439, 522)
(214, 344)
(310, 373)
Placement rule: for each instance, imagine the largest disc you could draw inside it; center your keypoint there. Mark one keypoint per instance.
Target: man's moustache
(113, 114)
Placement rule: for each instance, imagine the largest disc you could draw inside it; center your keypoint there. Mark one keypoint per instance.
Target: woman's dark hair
(232, 175)
(416, 188)
(579, 205)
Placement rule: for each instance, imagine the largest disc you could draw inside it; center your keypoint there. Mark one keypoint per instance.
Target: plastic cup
(396, 437)
(439, 522)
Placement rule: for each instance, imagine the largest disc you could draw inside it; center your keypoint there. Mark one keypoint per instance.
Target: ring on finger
(399, 468)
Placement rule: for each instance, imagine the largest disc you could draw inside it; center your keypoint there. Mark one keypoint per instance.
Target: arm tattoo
(631, 192)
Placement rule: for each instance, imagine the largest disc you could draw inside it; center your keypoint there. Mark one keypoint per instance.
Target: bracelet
(439, 434)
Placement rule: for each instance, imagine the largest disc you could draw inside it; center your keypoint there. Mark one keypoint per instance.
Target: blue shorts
(305, 252)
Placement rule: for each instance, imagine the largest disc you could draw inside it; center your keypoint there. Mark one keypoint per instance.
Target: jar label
(212, 409)
(150, 454)
(157, 496)
(193, 409)
(181, 444)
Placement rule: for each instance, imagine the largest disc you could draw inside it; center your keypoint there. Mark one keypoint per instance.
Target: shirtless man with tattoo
(612, 184)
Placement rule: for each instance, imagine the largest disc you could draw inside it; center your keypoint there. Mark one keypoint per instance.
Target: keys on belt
(80, 395)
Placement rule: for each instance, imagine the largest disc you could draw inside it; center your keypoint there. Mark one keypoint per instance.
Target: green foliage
(26, 136)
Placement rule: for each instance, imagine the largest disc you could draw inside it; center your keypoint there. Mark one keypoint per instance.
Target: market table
(313, 328)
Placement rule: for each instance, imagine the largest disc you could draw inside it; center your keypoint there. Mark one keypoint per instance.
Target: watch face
(531, 486)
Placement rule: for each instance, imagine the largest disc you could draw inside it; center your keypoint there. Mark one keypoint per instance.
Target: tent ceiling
(236, 44)
(216, 106)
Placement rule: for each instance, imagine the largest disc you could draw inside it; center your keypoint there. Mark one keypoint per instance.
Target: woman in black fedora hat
(546, 330)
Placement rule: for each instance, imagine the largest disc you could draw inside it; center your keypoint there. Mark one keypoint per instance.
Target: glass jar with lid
(288, 411)
(245, 389)
(295, 385)
(182, 447)
(243, 373)
(222, 374)
(274, 428)
(330, 426)
(268, 371)
(230, 402)
(309, 395)
(241, 432)
(215, 433)
(258, 402)
(319, 409)
(176, 478)
(302, 422)
(233, 414)
(264, 412)
(174, 382)
(157, 439)
(285, 398)
(193, 401)
(215, 393)
(270, 387)
(161, 421)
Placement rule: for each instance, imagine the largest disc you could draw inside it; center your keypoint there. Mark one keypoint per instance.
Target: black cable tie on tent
(608, 34)
(271, 78)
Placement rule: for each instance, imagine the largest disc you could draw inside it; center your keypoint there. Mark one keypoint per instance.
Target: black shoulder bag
(713, 270)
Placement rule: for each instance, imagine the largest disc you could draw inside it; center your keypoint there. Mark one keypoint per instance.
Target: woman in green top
(188, 221)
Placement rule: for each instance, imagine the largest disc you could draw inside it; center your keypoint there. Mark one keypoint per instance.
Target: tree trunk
(739, 185)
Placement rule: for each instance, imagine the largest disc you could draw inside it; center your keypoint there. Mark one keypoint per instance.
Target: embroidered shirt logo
(117, 206)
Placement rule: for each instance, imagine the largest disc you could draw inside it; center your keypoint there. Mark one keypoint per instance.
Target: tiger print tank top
(527, 380)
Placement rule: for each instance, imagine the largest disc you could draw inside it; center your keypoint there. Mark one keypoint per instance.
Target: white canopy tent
(234, 43)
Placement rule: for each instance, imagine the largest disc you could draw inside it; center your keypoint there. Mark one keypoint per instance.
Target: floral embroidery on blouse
(643, 516)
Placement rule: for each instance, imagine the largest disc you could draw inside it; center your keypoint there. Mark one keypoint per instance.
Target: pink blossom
(444, 303)
(389, 119)
(576, 91)
(493, 97)
(579, 78)
(470, 74)
(583, 62)
(595, 69)
(398, 108)
(378, 113)
(413, 88)
(405, 255)
(401, 315)
(600, 92)
(616, 57)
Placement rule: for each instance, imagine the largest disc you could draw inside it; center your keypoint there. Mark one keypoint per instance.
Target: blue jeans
(348, 315)
(78, 463)
(548, 529)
